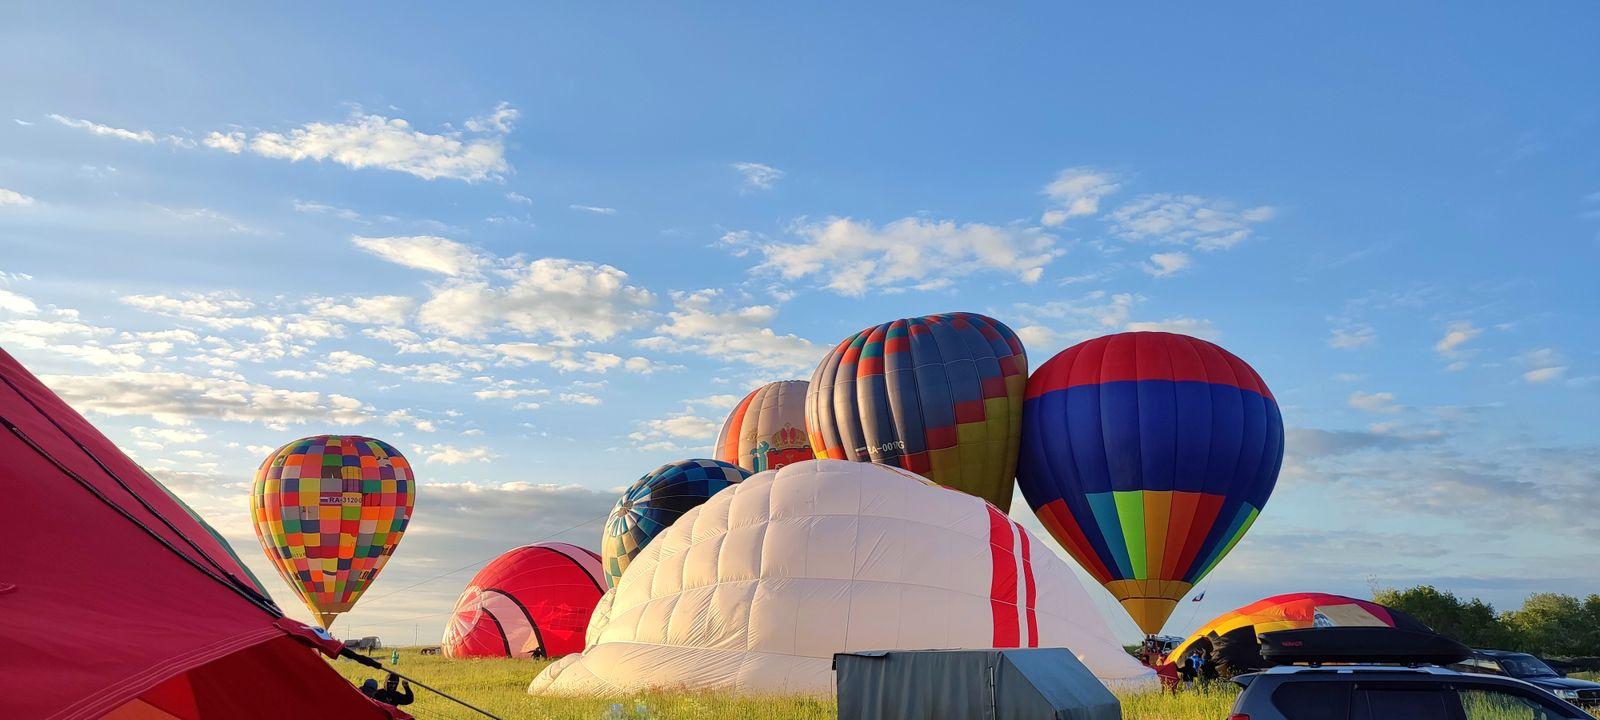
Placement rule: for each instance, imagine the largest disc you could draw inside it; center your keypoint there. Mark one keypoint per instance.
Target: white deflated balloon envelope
(754, 591)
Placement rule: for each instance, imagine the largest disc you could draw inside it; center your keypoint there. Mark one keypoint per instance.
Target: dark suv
(1533, 671)
(1329, 674)
(1388, 692)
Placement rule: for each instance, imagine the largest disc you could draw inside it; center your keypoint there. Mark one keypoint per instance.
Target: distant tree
(1552, 624)
(1472, 622)
(1591, 624)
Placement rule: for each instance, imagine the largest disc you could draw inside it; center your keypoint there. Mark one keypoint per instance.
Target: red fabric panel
(102, 612)
(1003, 581)
(1027, 576)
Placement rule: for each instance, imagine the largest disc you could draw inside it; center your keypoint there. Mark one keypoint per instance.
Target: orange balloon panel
(329, 511)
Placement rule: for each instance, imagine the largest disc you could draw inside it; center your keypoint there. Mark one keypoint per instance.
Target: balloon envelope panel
(1294, 611)
(532, 601)
(654, 502)
(939, 395)
(1148, 456)
(329, 511)
(767, 429)
(754, 591)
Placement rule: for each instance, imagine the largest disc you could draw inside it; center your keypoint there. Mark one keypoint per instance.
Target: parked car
(1533, 671)
(1383, 674)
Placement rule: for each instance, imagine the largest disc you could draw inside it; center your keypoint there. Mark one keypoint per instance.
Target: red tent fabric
(117, 602)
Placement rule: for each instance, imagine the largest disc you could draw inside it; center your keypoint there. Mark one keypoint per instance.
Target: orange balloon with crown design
(767, 429)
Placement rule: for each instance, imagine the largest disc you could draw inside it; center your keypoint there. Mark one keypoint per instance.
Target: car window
(1389, 704)
(1313, 700)
(1494, 704)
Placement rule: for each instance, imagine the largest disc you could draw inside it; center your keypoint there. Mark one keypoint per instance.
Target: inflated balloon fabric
(654, 502)
(754, 591)
(532, 601)
(1148, 455)
(1292, 611)
(767, 429)
(939, 395)
(329, 511)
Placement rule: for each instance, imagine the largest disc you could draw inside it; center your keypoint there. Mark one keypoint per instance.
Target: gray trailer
(1031, 683)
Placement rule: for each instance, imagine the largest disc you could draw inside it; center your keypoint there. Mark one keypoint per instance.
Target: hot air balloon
(654, 502)
(767, 429)
(1229, 641)
(329, 511)
(1148, 455)
(753, 592)
(532, 601)
(939, 395)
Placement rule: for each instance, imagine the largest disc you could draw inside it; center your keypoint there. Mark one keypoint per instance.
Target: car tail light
(1238, 716)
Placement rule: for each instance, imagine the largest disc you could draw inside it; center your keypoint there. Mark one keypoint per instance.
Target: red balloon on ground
(533, 601)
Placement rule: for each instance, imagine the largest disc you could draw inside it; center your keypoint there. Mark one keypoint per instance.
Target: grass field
(500, 686)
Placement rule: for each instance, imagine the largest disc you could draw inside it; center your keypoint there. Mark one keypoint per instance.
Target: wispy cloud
(1378, 402)
(1077, 192)
(12, 198)
(1166, 264)
(1544, 365)
(757, 176)
(1205, 223)
(594, 209)
(853, 257)
(143, 136)
(425, 252)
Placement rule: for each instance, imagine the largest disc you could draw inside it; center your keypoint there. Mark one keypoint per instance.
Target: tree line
(1548, 624)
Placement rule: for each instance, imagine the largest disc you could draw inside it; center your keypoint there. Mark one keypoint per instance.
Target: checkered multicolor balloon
(657, 500)
(329, 511)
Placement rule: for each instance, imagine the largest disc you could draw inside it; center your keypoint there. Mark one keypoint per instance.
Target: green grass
(500, 686)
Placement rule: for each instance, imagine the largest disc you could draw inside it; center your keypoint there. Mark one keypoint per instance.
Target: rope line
(373, 663)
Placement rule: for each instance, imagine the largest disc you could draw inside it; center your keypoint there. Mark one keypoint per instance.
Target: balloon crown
(789, 438)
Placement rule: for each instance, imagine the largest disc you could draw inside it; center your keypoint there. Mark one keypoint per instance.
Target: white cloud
(578, 398)
(1544, 365)
(1061, 322)
(344, 362)
(1204, 223)
(17, 304)
(594, 209)
(1166, 264)
(173, 398)
(207, 216)
(452, 455)
(232, 142)
(569, 300)
(1195, 327)
(1077, 192)
(143, 136)
(675, 428)
(1352, 336)
(375, 141)
(69, 339)
(853, 258)
(1378, 402)
(519, 198)
(374, 310)
(731, 334)
(298, 374)
(12, 198)
(758, 176)
(1456, 334)
(218, 310)
(425, 252)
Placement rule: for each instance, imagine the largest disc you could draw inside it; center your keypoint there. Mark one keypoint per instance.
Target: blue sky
(540, 249)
